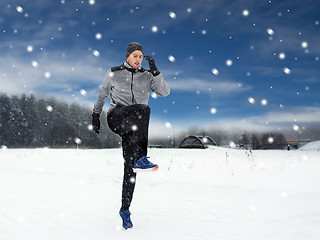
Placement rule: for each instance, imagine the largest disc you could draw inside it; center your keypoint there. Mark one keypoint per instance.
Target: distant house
(200, 142)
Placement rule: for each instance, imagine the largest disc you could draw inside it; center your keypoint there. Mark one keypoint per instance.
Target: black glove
(152, 64)
(96, 122)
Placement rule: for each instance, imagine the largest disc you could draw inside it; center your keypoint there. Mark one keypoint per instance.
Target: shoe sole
(126, 229)
(136, 170)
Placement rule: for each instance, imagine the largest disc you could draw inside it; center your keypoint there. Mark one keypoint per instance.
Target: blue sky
(247, 64)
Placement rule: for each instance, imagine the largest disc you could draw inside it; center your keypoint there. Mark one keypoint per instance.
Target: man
(129, 87)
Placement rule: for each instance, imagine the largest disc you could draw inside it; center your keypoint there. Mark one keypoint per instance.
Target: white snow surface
(215, 193)
(312, 146)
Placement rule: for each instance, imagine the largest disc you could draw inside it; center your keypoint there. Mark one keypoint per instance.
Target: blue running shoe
(144, 165)
(126, 221)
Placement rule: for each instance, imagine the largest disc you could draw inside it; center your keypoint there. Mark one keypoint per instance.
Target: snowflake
(4, 147)
(171, 58)
(213, 110)
(232, 144)
(251, 100)
(215, 71)
(154, 95)
(134, 127)
(229, 62)
(295, 127)
(245, 12)
(172, 15)
(96, 53)
(49, 108)
(304, 44)
(77, 140)
(132, 179)
(29, 48)
(83, 92)
(47, 74)
(282, 56)
(154, 29)
(270, 140)
(270, 31)
(35, 64)
(19, 9)
(98, 36)
(287, 70)
(264, 102)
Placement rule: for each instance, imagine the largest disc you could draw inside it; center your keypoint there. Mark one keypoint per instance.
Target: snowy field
(196, 194)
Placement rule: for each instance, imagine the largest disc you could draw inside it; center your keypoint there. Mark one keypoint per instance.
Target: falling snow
(154, 95)
(49, 108)
(215, 71)
(30, 48)
(287, 70)
(251, 100)
(232, 144)
(270, 139)
(96, 53)
(264, 102)
(19, 9)
(213, 110)
(282, 56)
(296, 127)
(47, 74)
(304, 44)
(280, 50)
(229, 62)
(270, 31)
(245, 12)
(92, 2)
(171, 58)
(77, 140)
(172, 15)
(35, 64)
(83, 92)
(154, 29)
(98, 36)
(134, 127)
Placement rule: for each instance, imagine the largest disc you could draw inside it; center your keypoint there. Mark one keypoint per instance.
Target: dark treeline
(28, 122)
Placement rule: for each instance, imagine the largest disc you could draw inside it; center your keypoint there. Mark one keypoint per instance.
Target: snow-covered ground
(196, 194)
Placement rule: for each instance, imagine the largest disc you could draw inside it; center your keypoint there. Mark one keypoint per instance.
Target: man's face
(135, 59)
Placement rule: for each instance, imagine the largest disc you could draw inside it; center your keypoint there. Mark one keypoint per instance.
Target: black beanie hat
(133, 47)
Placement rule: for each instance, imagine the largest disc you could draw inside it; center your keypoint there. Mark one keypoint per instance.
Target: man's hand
(96, 122)
(152, 64)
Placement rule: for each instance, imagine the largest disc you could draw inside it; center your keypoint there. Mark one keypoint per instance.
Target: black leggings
(131, 123)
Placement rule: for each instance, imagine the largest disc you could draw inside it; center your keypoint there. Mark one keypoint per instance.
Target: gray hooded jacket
(127, 86)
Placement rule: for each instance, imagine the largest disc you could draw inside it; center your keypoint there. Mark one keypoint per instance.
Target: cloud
(56, 74)
(197, 84)
(293, 115)
(271, 120)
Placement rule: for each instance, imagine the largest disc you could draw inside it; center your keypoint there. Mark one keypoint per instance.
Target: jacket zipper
(132, 89)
